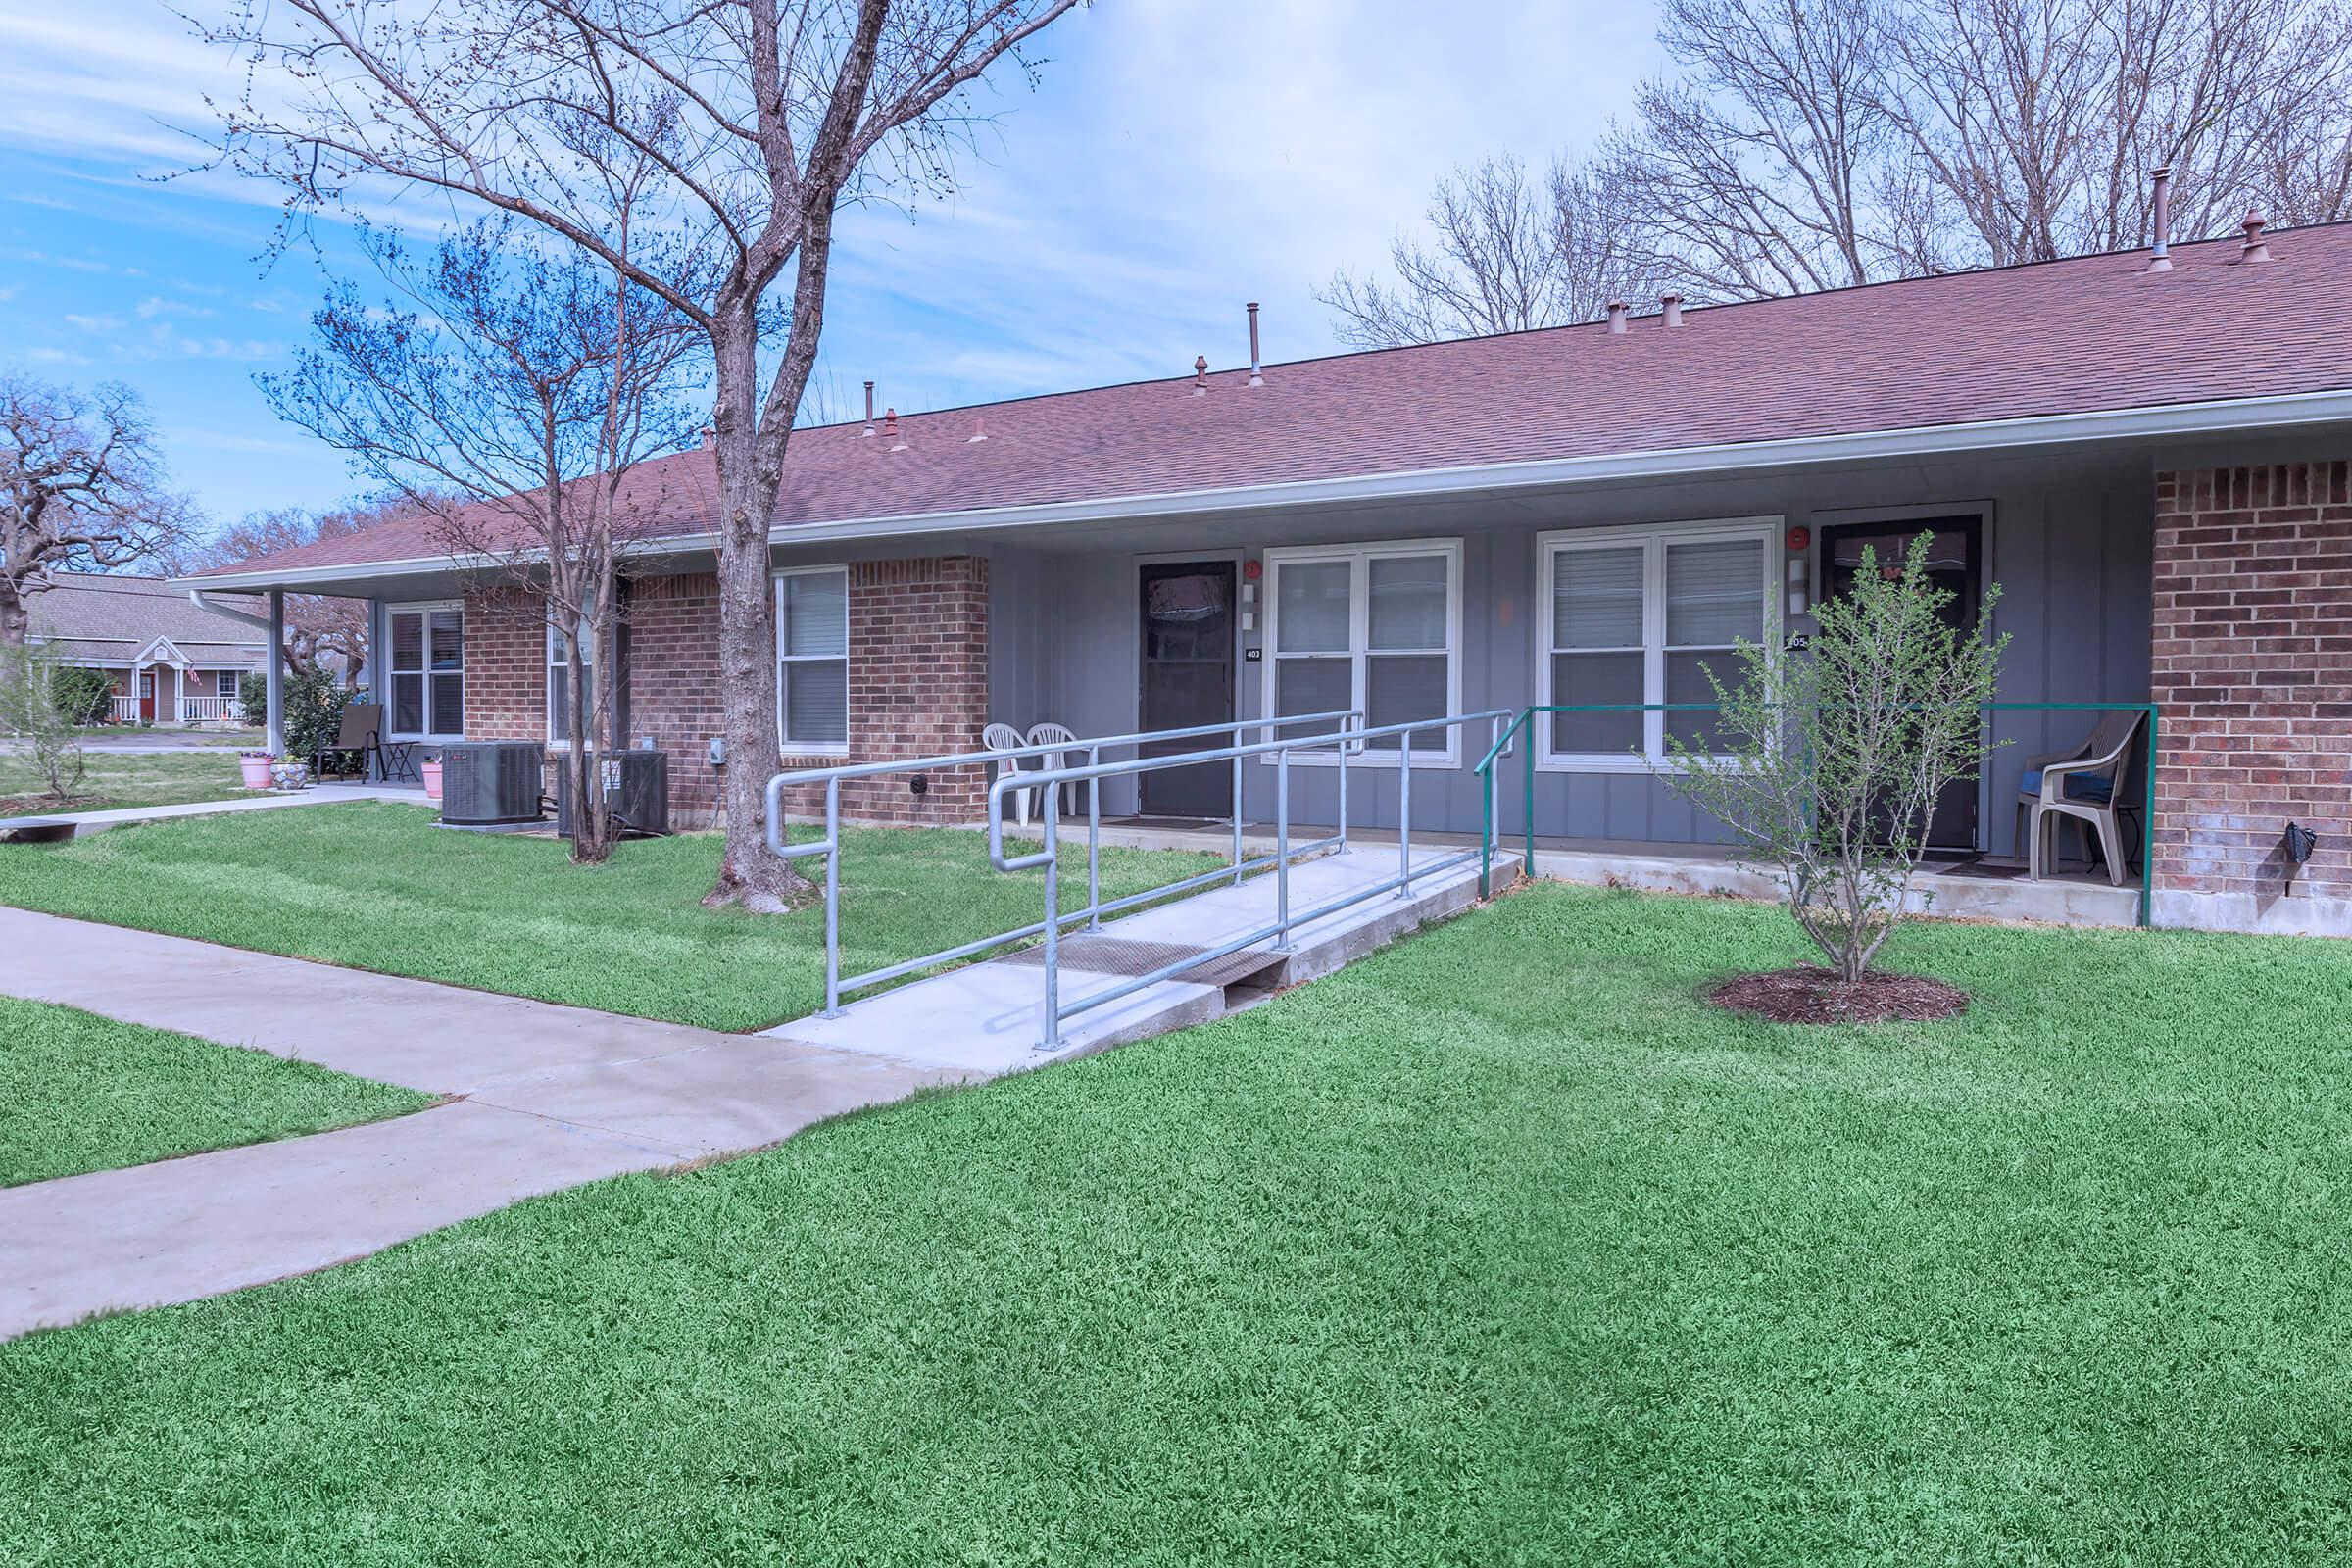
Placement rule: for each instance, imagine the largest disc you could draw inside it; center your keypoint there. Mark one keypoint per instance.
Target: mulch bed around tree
(1811, 994)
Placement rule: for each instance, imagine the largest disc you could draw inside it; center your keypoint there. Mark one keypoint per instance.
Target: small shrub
(1827, 763)
(30, 711)
(83, 696)
(253, 698)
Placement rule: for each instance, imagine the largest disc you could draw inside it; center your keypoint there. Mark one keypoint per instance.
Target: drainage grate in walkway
(1120, 956)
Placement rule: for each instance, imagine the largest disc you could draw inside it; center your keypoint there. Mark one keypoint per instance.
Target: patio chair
(1005, 738)
(2091, 785)
(359, 741)
(1055, 735)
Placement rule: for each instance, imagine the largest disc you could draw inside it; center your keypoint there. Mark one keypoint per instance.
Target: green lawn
(80, 1093)
(123, 778)
(1500, 1247)
(374, 885)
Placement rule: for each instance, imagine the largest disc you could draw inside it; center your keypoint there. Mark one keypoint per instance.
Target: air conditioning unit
(636, 787)
(491, 783)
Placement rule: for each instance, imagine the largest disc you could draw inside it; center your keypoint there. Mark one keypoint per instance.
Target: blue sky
(1179, 158)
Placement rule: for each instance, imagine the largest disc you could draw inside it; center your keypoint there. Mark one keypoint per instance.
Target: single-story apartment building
(2153, 463)
(172, 657)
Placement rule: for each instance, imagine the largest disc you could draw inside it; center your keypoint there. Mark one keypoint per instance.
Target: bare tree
(1504, 255)
(318, 626)
(760, 117)
(81, 489)
(1812, 144)
(507, 392)
(2035, 120)
(1751, 175)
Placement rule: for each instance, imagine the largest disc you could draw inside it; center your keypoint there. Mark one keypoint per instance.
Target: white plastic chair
(1005, 738)
(2088, 784)
(1054, 735)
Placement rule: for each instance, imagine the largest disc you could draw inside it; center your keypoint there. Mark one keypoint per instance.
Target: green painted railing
(1524, 724)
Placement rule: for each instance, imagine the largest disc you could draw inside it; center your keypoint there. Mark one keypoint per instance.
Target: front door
(1955, 562)
(1188, 681)
(147, 695)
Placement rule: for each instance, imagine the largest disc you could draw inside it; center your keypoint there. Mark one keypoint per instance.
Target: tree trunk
(747, 479)
(16, 619)
(591, 836)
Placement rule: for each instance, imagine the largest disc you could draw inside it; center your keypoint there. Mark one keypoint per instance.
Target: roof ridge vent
(2256, 249)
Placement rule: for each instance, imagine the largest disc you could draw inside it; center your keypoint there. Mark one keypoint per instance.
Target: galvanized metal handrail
(1486, 770)
(1343, 741)
(829, 846)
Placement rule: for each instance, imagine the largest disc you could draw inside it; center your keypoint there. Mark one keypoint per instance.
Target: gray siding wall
(2067, 538)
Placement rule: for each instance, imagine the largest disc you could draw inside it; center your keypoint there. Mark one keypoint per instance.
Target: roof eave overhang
(2223, 416)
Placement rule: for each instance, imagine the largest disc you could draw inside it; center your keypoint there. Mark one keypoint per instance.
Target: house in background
(172, 661)
(2153, 460)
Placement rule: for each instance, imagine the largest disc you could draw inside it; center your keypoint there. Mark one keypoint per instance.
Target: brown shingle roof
(2059, 337)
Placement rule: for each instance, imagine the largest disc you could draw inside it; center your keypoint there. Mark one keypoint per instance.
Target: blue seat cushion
(2078, 786)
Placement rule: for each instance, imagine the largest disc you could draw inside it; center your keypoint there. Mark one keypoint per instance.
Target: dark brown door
(1955, 562)
(1187, 680)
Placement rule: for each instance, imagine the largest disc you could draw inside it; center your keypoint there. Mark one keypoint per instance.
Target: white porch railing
(205, 710)
(125, 709)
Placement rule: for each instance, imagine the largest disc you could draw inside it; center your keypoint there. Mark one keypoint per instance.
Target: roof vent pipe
(1670, 307)
(2162, 219)
(979, 431)
(889, 429)
(710, 437)
(1617, 309)
(1257, 375)
(2256, 249)
(869, 408)
(1201, 375)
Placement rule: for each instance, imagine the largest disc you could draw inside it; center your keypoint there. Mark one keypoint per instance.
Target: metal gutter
(2231, 416)
(196, 598)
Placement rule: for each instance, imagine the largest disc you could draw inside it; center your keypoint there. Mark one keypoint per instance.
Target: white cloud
(94, 323)
(155, 305)
(53, 355)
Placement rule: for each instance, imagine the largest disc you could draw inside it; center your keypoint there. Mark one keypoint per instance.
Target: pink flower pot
(256, 767)
(432, 779)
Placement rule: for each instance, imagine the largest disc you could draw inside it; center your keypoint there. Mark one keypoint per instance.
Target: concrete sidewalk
(554, 1096)
(86, 823)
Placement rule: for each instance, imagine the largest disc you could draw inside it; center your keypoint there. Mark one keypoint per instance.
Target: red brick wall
(918, 687)
(506, 665)
(918, 683)
(2253, 666)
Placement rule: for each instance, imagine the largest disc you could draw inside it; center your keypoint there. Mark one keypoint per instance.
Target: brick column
(2252, 662)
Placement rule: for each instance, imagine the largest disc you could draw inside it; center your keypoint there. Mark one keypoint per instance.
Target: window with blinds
(1639, 618)
(812, 659)
(1372, 627)
(558, 678)
(428, 672)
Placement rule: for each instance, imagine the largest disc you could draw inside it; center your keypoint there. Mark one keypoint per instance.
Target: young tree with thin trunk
(81, 489)
(1826, 763)
(760, 117)
(508, 391)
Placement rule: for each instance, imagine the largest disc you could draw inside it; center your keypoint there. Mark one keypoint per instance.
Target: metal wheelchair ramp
(988, 1018)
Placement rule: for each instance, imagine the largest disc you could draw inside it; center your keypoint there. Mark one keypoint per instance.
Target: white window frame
(424, 608)
(1654, 539)
(1360, 649)
(547, 689)
(786, 745)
